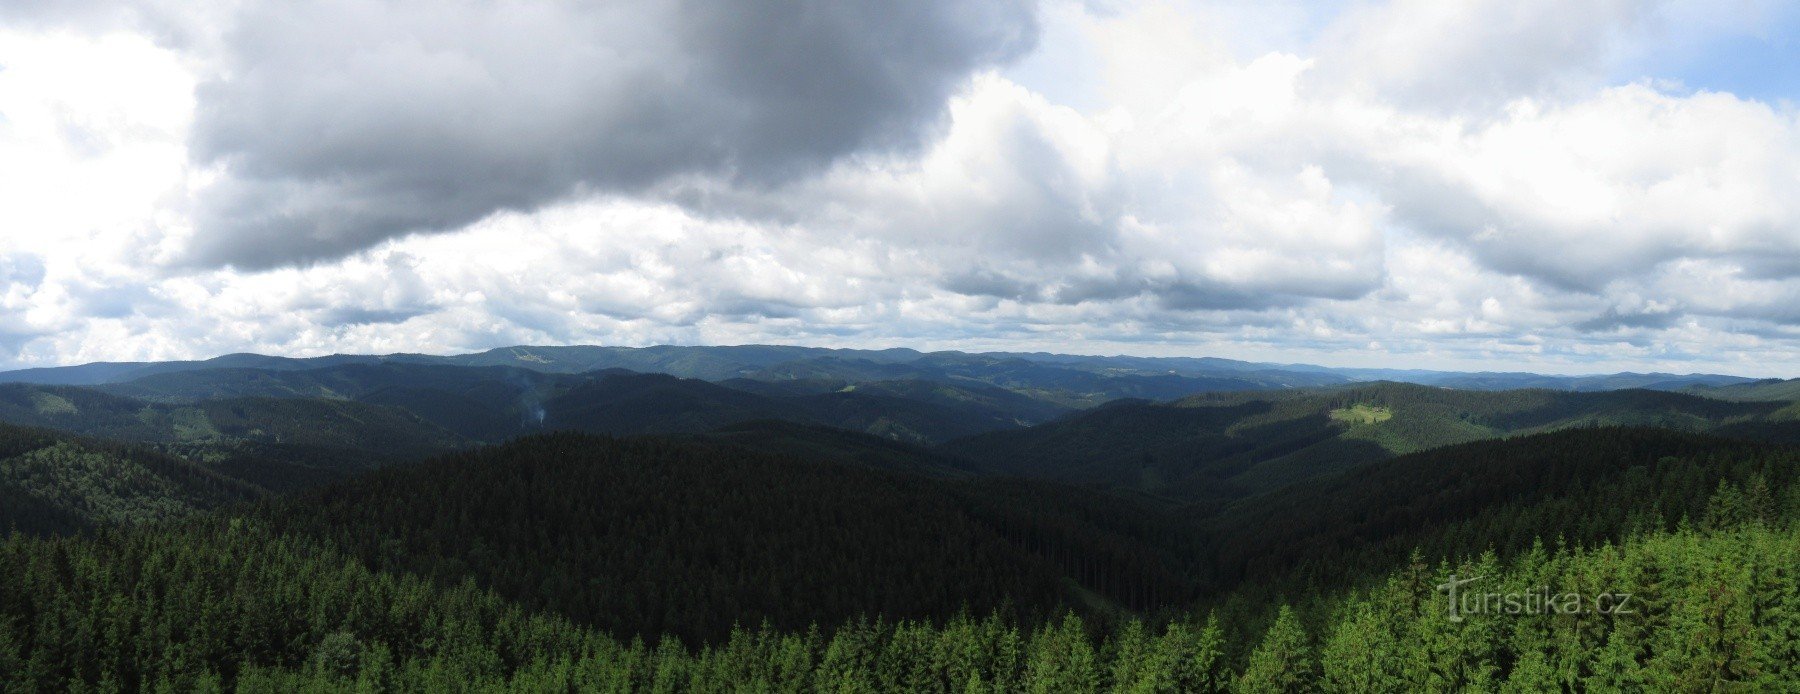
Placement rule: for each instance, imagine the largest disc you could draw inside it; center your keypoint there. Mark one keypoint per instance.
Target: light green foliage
(1362, 414)
(98, 486)
(52, 404)
(1283, 662)
(192, 424)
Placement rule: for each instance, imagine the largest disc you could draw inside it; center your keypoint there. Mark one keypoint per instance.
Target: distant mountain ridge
(494, 403)
(1074, 380)
(1192, 430)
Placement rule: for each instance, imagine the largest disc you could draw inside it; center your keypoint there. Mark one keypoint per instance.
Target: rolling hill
(654, 536)
(1223, 446)
(568, 561)
(484, 403)
(493, 403)
(284, 421)
(55, 483)
(973, 399)
(829, 444)
(1772, 390)
(1586, 486)
(781, 362)
(627, 403)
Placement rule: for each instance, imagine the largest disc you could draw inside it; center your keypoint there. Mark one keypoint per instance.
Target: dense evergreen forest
(341, 527)
(228, 601)
(1218, 447)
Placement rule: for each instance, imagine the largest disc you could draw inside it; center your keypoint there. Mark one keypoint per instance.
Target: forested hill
(1217, 447)
(1077, 382)
(1584, 486)
(832, 445)
(1071, 380)
(54, 483)
(652, 536)
(294, 422)
(1774, 390)
(494, 403)
(484, 570)
(478, 403)
(828, 522)
(627, 403)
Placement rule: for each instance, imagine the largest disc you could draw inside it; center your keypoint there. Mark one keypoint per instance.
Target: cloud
(1033, 201)
(343, 123)
(1615, 320)
(1473, 55)
(637, 174)
(1587, 193)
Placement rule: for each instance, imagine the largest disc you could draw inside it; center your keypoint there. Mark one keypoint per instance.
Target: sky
(1561, 186)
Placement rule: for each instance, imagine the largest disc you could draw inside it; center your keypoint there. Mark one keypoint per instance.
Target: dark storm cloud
(350, 315)
(1615, 320)
(1213, 296)
(345, 123)
(985, 282)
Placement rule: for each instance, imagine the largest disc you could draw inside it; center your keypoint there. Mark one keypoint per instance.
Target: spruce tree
(1283, 661)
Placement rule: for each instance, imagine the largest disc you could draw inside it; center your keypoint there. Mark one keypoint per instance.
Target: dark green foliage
(1087, 385)
(119, 372)
(486, 403)
(1223, 446)
(1075, 381)
(494, 403)
(323, 423)
(627, 404)
(53, 483)
(1773, 390)
(182, 607)
(277, 467)
(788, 556)
(973, 398)
(822, 443)
(230, 603)
(1585, 486)
(651, 536)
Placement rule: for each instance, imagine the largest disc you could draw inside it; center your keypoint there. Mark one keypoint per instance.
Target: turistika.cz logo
(1538, 601)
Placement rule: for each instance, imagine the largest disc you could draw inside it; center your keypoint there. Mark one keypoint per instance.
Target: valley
(799, 519)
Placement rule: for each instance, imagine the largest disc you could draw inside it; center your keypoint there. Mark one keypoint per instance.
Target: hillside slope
(1773, 390)
(630, 403)
(652, 536)
(494, 403)
(1585, 486)
(53, 483)
(1226, 445)
(1076, 381)
(285, 421)
(485, 403)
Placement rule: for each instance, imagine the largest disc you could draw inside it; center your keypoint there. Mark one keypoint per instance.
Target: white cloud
(1473, 55)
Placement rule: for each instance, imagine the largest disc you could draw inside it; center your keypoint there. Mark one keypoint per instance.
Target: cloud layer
(1464, 185)
(341, 124)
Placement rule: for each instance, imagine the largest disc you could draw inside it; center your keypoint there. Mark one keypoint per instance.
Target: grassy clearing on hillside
(1362, 414)
(50, 404)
